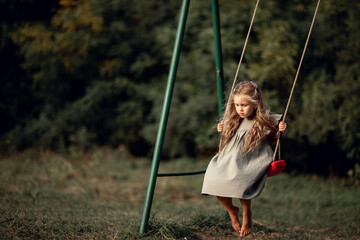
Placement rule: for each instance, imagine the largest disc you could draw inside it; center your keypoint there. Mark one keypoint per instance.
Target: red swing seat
(275, 168)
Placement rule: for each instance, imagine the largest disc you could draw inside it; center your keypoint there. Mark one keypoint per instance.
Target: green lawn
(101, 196)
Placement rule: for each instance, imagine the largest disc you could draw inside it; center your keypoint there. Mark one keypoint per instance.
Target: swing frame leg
(168, 96)
(218, 56)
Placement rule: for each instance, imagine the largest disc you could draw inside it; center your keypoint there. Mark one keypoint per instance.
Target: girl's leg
(247, 223)
(233, 212)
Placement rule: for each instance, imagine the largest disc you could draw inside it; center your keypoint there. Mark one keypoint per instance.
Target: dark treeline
(80, 74)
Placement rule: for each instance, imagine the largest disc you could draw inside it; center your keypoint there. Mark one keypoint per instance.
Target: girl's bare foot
(234, 215)
(233, 212)
(247, 224)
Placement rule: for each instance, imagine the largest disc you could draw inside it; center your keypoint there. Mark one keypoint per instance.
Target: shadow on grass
(190, 228)
(259, 227)
(209, 225)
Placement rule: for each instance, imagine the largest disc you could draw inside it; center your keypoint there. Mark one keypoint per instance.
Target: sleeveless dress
(233, 174)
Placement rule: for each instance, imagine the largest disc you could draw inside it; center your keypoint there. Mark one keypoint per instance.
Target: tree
(88, 73)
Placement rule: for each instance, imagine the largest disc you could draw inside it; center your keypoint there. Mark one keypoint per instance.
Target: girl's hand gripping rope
(220, 127)
(282, 128)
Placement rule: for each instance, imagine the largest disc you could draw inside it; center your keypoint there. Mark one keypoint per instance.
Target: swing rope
(244, 48)
(301, 60)
(295, 80)
(297, 72)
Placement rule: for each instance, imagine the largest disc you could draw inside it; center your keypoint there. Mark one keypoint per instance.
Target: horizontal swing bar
(179, 174)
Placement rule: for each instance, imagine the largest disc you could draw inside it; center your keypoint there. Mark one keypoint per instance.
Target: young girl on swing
(239, 169)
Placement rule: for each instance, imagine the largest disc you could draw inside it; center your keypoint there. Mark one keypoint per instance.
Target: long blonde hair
(232, 120)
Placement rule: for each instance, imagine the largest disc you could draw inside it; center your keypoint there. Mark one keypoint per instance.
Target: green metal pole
(218, 56)
(164, 115)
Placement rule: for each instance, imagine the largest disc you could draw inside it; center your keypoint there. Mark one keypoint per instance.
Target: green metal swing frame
(220, 86)
(168, 96)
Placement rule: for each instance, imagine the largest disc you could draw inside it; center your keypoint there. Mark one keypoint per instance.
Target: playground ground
(100, 195)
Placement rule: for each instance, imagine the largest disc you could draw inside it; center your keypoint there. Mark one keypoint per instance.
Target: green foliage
(88, 73)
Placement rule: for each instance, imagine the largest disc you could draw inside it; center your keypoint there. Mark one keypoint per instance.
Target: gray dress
(233, 174)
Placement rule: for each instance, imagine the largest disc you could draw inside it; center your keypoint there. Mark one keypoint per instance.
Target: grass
(100, 196)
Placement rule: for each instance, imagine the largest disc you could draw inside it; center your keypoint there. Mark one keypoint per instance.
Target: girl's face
(243, 107)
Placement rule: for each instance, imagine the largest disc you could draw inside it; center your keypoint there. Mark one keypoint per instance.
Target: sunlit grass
(100, 195)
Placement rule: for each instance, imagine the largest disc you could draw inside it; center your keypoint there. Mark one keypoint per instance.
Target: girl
(239, 169)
